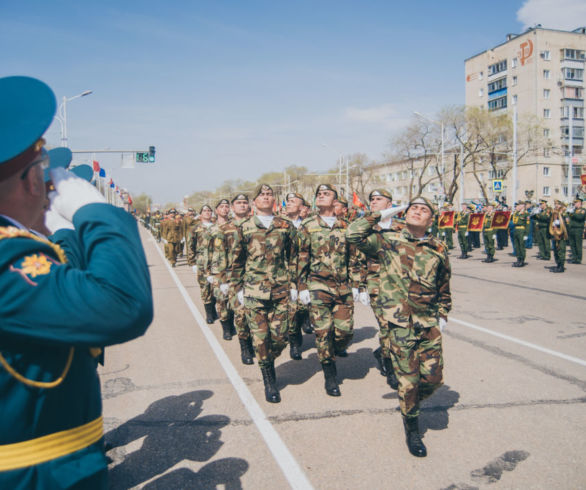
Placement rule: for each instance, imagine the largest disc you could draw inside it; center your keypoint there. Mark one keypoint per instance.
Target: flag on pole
(501, 219)
(102, 173)
(96, 166)
(356, 201)
(446, 220)
(476, 222)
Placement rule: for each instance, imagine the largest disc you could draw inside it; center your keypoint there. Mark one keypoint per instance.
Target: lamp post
(442, 167)
(62, 114)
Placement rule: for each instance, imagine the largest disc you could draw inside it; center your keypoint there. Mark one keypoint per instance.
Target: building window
(514, 62)
(546, 113)
(546, 132)
(546, 191)
(496, 104)
(546, 153)
(480, 75)
(546, 171)
(574, 74)
(546, 55)
(573, 92)
(572, 54)
(480, 92)
(497, 85)
(578, 132)
(514, 99)
(514, 82)
(546, 93)
(497, 67)
(546, 74)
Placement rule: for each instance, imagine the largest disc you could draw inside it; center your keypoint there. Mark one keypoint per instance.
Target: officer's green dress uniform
(542, 219)
(521, 222)
(488, 237)
(576, 233)
(55, 315)
(462, 220)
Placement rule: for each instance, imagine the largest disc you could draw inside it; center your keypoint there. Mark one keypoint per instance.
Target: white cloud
(553, 14)
(385, 115)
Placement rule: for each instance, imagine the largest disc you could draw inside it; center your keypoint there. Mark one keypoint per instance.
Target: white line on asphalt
(521, 342)
(289, 466)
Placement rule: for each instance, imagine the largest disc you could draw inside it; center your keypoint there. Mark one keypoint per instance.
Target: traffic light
(146, 157)
(151, 154)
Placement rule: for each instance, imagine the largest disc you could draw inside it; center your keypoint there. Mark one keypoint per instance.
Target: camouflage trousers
(418, 364)
(268, 323)
(240, 322)
(222, 305)
(205, 288)
(171, 252)
(333, 319)
(383, 332)
(296, 311)
(189, 252)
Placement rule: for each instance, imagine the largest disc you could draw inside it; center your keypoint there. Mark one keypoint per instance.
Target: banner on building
(446, 220)
(501, 219)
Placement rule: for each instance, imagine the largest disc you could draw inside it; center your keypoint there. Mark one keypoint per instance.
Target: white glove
(443, 323)
(466, 234)
(164, 241)
(293, 295)
(224, 288)
(54, 221)
(240, 296)
(525, 237)
(364, 298)
(304, 297)
(71, 193)
(385, 213)
(355, 294)
(556, 222)
(210, 279)
(194, 269)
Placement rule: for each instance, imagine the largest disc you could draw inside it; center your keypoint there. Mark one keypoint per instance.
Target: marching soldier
(341, 208)
(220, 293)
(200, 244)
(264, 276)
(488, 233)
(542, 218)
(559, 234)
(223, 257)
(576, 230)
(55, 314)
(449, 232)
(381, 199)
(189, 223)
(173, 235)
(329, 281)
(520, 219)
(415, 300)
(462, 219)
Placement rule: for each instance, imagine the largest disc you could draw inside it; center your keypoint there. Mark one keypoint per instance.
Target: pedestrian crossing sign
(497, 185)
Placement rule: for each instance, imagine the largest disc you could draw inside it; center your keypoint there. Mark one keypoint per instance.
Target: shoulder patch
(31, 266)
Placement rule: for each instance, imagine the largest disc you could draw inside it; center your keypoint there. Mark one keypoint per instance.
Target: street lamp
(62, 114)
(441, 125)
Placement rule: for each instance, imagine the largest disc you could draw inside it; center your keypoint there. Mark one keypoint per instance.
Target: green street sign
(142, 157)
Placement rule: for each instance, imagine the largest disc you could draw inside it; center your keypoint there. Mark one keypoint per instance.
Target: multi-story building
(540, 73)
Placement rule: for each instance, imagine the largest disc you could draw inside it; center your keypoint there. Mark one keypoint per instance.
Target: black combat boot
(517, 264)
(295, 342)
(558, 268)
(246, 351)
(272, 394)
(414, 442)
(377, 353)
(214, 312)
(232, 326)
(306, 323)
(331, 385)
(209, 314)
(226, 333)
(392, 380)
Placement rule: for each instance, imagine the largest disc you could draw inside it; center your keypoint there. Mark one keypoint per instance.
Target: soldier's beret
(191, 210)
(543, 201)
(58, 158)
(205, 206)
(262, 188)
(222, 201)
(424, 201)
(326, 187)
(578, 199)
(380, 192)
(297, 195)
(84, 172)
(27, 107)
(342, 200)
(240, 197)
(172, 211)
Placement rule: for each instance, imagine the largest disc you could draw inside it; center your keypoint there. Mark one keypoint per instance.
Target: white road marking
(576, 360)
(289, 466)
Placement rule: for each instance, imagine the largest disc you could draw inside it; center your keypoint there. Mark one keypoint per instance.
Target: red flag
(446, 220)
(500, 220)
(583, 179)
(356, 201)
(96, 166)
(130, 201)
(476, 222)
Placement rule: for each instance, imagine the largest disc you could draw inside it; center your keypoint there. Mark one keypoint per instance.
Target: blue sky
(228, 89)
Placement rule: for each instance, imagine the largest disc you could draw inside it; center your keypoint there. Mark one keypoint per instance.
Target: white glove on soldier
(194, 269)
(385, 213)
(443, 323)
(355, 294)
(210, 279)
(224, 288)
(304, 297)
(54, 221)
(364, 298)
(293, 295)
(240, 296)
(71, 193)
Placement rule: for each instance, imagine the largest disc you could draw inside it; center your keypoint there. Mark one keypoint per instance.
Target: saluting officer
(56, 315)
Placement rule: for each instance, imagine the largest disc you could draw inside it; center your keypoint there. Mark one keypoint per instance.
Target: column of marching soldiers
(283, 258)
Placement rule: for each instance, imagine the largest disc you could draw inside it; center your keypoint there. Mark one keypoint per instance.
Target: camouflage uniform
(200, 244)
(264, 267)
(173, 235)
(414, 294)
(328, 267)
(189, 224)
(216, 240)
